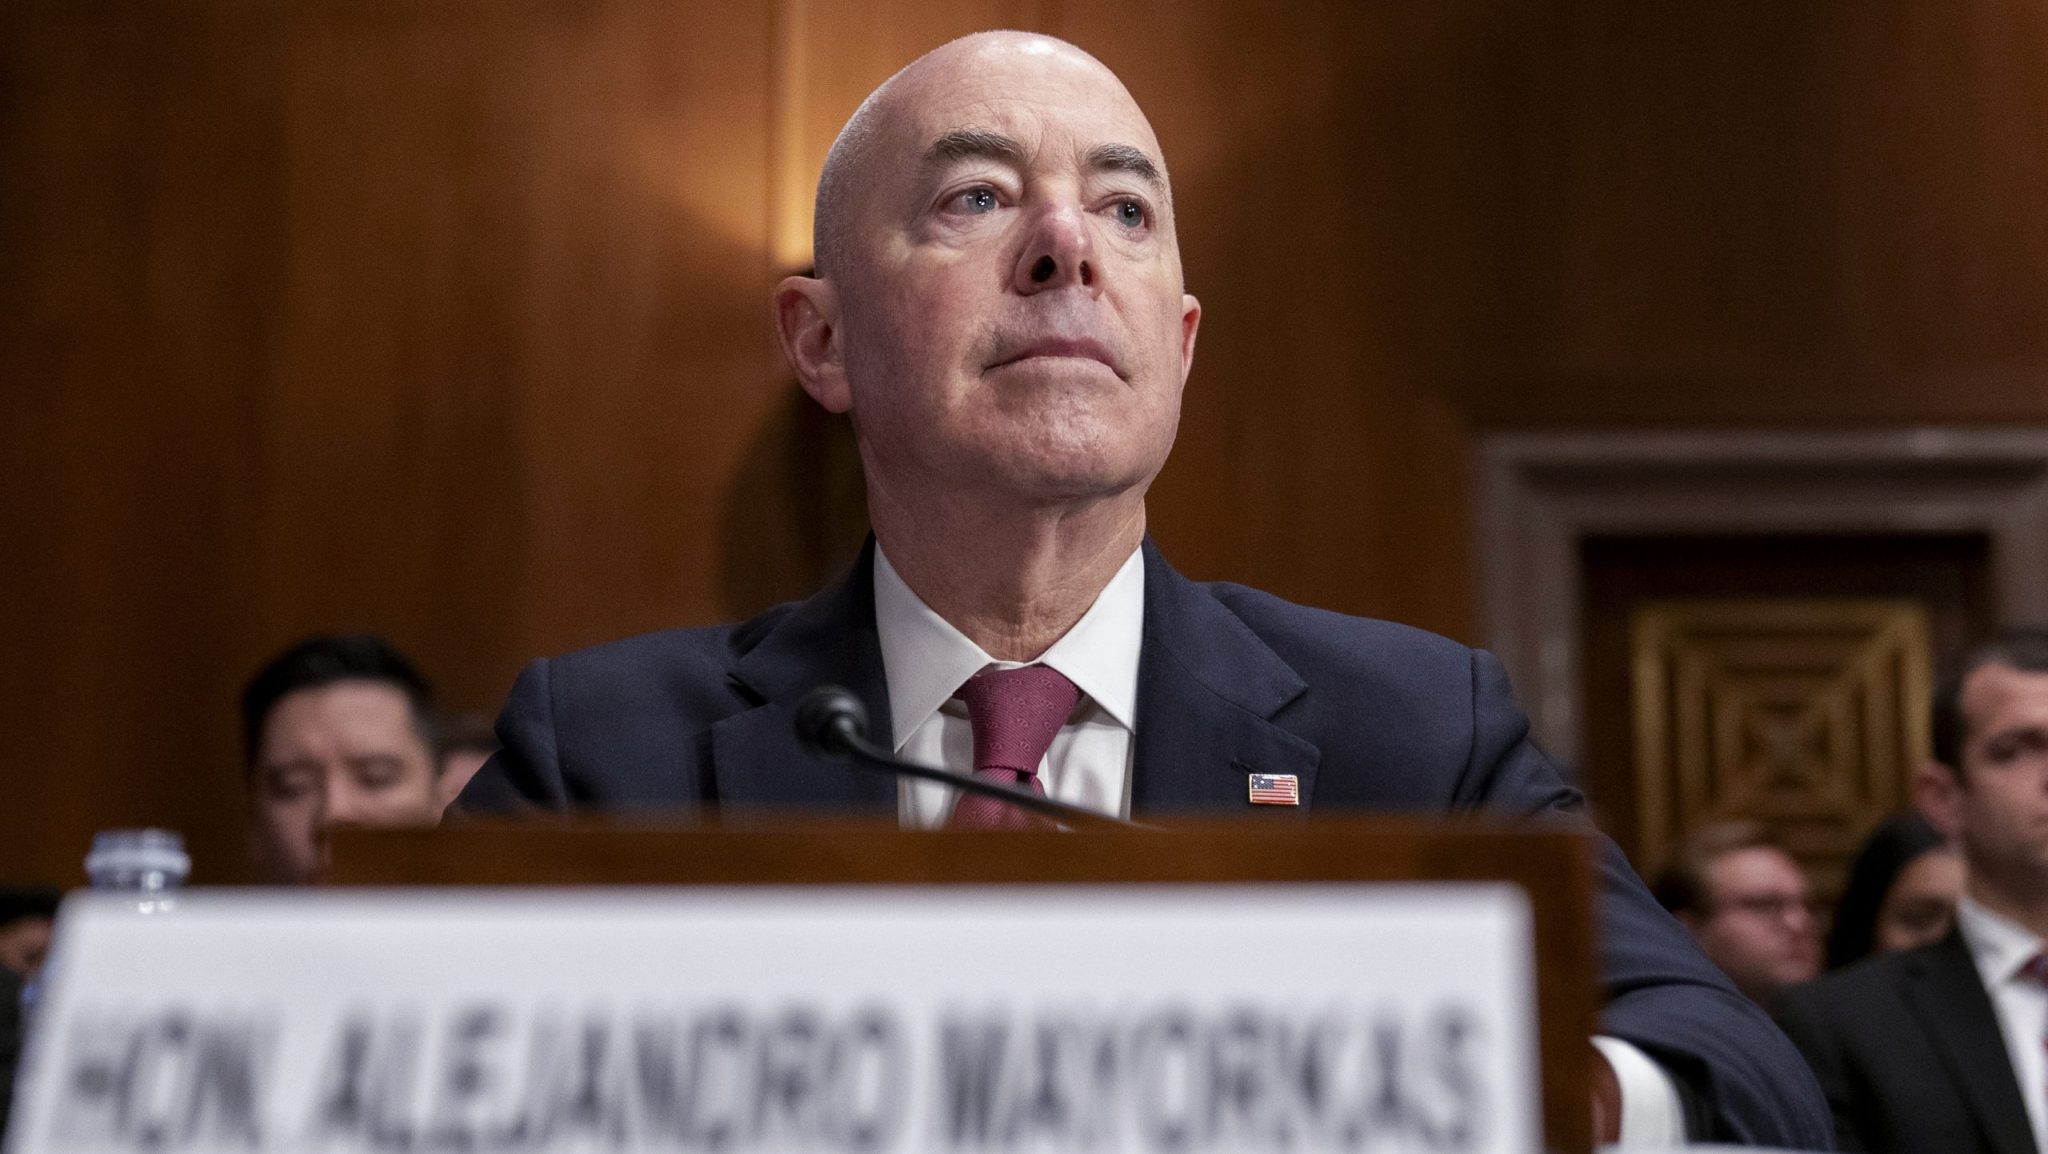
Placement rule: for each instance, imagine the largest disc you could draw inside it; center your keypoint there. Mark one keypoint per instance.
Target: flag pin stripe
(1275, 789)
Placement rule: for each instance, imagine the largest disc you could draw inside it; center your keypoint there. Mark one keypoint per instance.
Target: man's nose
(1799, 915)
(340, 802)
(1059, 252)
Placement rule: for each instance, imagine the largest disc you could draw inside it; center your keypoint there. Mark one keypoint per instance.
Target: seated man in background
(1748, 905)
(336, 730)
(28, 915)
(1939, 1050)
(1000, 309)
(10, 1041)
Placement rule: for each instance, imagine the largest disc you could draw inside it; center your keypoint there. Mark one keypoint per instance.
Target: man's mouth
(1072, 348)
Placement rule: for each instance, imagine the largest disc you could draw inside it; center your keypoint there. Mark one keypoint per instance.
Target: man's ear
(807, 322)
(1190, 320)
(1938, 793)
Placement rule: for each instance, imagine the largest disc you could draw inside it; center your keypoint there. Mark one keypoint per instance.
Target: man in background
(28, 915)
(337, 731)
(1941, 1049)
(10, 1041)
(1748, 905)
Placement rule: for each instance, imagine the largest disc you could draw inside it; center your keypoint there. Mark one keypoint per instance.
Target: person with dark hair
(337, 730)
(1747, 903)
(10, 1041)
(1902, 891)
(28, 915)
(1941, 1048)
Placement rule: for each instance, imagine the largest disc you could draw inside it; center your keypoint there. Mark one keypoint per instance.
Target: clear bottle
(150, 864)
(145, 866)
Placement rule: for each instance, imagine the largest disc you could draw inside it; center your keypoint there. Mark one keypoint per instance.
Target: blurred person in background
(28, 915)
(10, 1040)
(1747, 903)
(467, 741)
(1902, 891)
(338, 731)
(1941, 1048)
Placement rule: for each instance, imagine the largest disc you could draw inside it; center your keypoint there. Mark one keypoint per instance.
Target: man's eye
(287, 784)
(1130, 214)
(976, 201)
(378, 772)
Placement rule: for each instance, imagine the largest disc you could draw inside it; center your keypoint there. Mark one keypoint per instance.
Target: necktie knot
(2036, 970)
(1014, 713)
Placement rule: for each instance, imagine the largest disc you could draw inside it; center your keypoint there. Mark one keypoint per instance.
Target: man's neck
(1013, 582)
(2016, 904)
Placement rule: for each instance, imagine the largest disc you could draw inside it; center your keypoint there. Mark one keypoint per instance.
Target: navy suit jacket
(1910, 1054)
(1368, 715)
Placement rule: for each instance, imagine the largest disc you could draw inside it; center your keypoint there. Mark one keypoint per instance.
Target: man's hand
(1606, 1100)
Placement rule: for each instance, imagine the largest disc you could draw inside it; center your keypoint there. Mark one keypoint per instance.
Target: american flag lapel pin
(1275, 789)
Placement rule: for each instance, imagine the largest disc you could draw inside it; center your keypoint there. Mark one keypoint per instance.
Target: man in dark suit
(998, 306)
(1941, 1049)
(10, 1041)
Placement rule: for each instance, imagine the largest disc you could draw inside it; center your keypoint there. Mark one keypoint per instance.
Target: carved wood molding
(1539, 495)
(1806, 715)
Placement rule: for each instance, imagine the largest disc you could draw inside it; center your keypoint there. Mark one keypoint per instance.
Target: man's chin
(1052, 482)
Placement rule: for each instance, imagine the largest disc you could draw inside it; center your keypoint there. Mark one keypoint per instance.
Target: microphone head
(829, 718)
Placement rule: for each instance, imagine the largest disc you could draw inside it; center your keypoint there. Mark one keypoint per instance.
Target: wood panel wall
(448, 319)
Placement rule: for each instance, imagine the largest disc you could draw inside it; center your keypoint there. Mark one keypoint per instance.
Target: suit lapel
(1947, 995)
(757, 761)
(1207, 689)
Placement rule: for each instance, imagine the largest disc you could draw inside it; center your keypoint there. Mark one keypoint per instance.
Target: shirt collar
(1999, 945)
(925, 659)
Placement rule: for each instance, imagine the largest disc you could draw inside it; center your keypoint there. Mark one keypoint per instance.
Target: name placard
(1386, 1017)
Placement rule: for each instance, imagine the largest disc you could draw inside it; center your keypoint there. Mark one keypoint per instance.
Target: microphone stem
(1061, 811)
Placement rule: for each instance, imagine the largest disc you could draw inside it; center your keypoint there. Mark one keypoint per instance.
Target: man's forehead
(2002, 687)
(1037, 100)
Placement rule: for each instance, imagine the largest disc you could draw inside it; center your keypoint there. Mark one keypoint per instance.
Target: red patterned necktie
(1014, 714)
(2036, 971)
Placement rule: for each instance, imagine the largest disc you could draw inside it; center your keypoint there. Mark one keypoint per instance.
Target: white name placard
(838, 1018)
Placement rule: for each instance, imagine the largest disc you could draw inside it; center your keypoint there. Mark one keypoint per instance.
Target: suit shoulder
(696, 651)
(1299, 632)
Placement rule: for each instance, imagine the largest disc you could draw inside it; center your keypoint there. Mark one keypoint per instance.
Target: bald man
(999, 308)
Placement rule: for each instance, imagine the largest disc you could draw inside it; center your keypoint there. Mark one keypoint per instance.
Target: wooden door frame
(1539, 494)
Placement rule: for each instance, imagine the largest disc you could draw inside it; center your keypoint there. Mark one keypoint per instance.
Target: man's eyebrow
(969, 144)
(1125, 158)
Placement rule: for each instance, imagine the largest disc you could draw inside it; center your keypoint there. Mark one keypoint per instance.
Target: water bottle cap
(138, 850)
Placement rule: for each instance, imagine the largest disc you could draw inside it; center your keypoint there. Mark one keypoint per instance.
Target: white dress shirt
(2000, 947)
(925, 660)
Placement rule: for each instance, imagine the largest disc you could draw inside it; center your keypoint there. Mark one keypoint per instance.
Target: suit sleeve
(1744, 1078)
(526, 772)
(1804, 1021)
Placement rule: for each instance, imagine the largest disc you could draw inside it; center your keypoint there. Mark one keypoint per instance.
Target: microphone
(832, 722)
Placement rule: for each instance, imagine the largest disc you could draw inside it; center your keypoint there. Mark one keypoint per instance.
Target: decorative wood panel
(1540, 495)
(1806, 715)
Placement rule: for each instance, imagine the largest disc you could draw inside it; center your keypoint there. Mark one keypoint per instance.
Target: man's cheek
(409, 803)
(288, 822)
